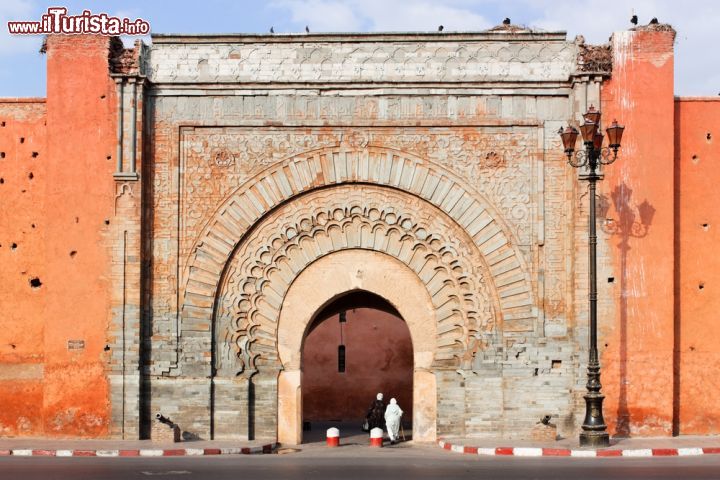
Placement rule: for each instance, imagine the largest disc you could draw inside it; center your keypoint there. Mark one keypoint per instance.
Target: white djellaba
(392, 420)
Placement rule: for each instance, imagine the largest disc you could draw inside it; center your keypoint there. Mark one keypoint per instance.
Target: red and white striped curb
(140, 452)
(567, 452)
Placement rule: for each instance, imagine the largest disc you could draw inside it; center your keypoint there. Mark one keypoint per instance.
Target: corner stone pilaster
(126, 334)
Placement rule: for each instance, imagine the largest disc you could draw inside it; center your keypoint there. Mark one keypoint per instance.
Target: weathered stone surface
(163, 433)
(544, 433)
(253, 186)
(485, 57)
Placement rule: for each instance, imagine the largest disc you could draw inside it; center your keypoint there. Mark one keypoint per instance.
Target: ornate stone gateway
(284, 172)
(372, 200)
(322, 241)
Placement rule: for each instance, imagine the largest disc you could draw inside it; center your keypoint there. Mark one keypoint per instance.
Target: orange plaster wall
(80, 195)
(22, 256)
(698, 239)
(379, 358)
(638, 360)
(46, 388)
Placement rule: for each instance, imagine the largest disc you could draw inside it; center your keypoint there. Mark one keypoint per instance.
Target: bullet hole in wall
(2, 180)
(13, 246)
(695, 159)
(708, 137)
(109, 157)
(107, 348)
(22, 139)
(107, 221)
(35, 282)
(77, 219)
(2, 154)
(32, 225)
(701, 285)
(35, 154)
(706, 226)
(611, 279)
(692, 349)
(2, 124)
(73, 253)
(535, 373)
(556, 363)
(31, 176)
(102, 97)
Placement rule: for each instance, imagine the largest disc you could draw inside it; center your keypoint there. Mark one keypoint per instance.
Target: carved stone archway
(443, 256)
(460, 319)
(271, 229)
(421, 179)
(327, 279)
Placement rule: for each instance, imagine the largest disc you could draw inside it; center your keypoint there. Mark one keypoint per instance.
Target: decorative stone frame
(238, 221)
(283, 181)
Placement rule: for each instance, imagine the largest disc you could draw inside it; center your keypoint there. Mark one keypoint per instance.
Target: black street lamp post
(594, 432)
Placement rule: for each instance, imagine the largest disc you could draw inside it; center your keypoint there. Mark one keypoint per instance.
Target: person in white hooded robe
(393, 413)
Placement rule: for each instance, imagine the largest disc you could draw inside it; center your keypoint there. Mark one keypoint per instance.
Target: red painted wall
(46, 388)
(658, 363)
(638, 360)
(379, 358)
(23, 233)
(697, 126)
(80, 196)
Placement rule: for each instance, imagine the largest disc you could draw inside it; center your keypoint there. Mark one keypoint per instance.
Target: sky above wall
(697, 61)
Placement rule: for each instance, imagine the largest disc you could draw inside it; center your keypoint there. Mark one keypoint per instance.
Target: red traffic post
(376, 437)
(333, 437)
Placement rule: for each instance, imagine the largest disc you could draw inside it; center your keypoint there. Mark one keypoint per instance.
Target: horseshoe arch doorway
(320, 290)
(356, 346)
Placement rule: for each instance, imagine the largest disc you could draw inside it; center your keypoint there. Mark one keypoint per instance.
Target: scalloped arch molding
(384, 167)
(320, 204)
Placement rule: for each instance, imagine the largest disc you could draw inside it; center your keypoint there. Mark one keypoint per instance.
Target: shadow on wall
(633, 221)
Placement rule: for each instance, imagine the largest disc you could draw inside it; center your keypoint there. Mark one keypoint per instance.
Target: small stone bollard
(164, 431)
(376, 437)
(544, 433)
(333, 437)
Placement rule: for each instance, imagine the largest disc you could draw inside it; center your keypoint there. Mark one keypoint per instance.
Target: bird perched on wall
(307, 29)
(272, 29)
(440, 28)
(506, 21)
(654, 21)
(634, 19)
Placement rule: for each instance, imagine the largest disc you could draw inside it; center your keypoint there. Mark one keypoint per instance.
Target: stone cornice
(393, 37)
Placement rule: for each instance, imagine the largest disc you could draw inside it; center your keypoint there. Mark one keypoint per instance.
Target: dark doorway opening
(356, 347)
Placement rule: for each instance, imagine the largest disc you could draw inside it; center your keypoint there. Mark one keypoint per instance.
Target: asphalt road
(402, 462)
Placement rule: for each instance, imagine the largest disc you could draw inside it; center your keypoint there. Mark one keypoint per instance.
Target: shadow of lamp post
(594, 432)
(627, 225)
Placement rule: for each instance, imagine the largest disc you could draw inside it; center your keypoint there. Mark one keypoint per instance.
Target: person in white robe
(393, 413)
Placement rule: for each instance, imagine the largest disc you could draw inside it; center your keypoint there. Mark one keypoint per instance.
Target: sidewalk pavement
(568, 447)
(129, 448)
(685, 445)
